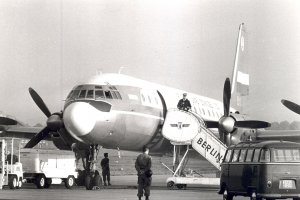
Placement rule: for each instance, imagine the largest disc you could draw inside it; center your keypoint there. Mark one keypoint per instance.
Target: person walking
(105, 169)
(143, 168)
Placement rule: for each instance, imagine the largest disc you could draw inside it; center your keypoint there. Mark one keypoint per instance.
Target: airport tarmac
(124, 188)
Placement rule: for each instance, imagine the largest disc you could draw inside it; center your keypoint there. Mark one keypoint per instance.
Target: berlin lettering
(208, 148)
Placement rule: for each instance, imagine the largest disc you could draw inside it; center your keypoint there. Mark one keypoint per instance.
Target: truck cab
(11, 170)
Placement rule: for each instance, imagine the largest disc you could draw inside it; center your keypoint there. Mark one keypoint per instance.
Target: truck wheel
(20, 183)
(226, 195)
(12, 182)
(48, 182)
(69, 182)
(40, 181)
(170, 185)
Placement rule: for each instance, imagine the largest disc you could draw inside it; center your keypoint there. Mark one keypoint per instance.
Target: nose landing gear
(90, 177)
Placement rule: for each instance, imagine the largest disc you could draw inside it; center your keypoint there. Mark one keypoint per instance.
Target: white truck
(46, 167)
(11, 171)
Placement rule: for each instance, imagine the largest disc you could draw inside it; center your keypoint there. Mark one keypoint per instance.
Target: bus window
(99, 94)
(108, 94)
(90, 94)
(228, 155)
(82, 94)
(242, 155)
(286, 155)
(265, 155)
(235, 155)
(249, 155)
(256, 155)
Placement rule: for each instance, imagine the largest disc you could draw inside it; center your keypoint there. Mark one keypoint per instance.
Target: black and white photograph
(149, 99)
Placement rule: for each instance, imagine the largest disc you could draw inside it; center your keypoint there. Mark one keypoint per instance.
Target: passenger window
(235, 155)
(90, 94)
(265, 155)
(242, 155)
(228, 155)
(143, 97)
(249, 155)
(99, 94)
(256, 155)
(82, 94)
(98, 87)
(108, 95)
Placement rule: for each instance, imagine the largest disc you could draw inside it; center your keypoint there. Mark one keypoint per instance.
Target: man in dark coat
(143, 168)
(184, 103)
(105, 169)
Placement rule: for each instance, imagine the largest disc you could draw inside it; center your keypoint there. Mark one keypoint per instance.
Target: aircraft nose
(79, 118)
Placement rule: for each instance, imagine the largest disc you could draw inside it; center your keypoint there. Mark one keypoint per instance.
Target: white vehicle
(46, 167)
(11, 171)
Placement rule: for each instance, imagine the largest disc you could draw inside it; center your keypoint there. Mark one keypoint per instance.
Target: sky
(52, 45)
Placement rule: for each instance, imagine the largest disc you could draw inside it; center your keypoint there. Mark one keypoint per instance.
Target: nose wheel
(92, 178)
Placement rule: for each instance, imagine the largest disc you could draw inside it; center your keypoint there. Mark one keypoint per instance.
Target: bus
(267, 169)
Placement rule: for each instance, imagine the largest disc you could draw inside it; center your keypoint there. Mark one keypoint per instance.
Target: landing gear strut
(92, 179)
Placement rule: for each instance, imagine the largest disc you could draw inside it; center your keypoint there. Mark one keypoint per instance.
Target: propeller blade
(252, 124)
(212, 124)
(226, 97)
(292, 106)
(39, 102)
(37, 138)
(7, 121)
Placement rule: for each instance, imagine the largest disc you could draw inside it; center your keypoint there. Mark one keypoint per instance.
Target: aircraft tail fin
(240, 79)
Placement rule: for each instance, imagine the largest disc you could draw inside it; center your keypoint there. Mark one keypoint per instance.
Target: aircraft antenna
(98, 72)
(120, 69)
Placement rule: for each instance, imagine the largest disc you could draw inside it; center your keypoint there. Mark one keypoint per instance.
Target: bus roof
(265, 144)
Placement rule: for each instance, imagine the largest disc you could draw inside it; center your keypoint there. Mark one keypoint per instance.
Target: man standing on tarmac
(184, 103)
(105, 169)
(143, 168)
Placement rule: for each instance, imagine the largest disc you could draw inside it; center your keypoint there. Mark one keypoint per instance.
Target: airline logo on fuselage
(180, 125)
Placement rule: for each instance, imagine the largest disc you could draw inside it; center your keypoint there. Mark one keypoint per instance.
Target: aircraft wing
(25, 132)
(287, 135)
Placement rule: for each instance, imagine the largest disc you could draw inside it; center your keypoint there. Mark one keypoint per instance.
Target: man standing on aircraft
(143, 168)
(184, 103)
(105, 169)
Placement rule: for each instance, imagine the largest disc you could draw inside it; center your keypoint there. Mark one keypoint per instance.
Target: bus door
(235, 171)
(251, 170)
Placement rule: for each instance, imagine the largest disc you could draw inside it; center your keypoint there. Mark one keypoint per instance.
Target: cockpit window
(70, 94)
(108, 94)
(90, 94)
(94, 92)
(99, 94)
(75, 94)
(82, 94)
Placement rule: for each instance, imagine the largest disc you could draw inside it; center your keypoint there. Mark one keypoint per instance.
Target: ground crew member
(184, 103)
(105, 169)
(143, 168)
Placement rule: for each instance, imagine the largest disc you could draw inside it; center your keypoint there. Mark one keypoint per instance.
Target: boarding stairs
(188, 128)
